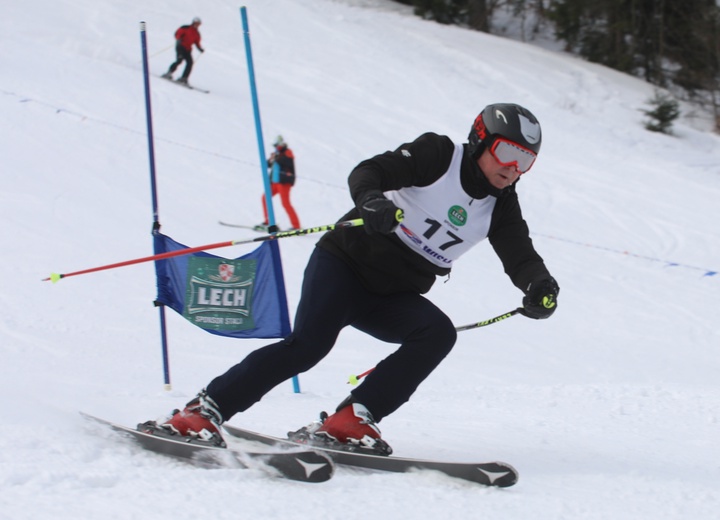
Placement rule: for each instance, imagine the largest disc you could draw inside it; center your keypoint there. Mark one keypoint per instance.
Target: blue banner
(241, 298)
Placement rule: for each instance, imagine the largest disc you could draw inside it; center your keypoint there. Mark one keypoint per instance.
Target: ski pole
(163, 50)
(355, 379)
(55, 277)
(490, 321)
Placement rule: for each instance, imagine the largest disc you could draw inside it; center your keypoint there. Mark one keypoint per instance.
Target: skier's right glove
(379, 214)
(540, 299)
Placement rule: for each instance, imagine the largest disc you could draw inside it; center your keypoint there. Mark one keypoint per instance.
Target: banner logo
(219, 292)
(226, 272)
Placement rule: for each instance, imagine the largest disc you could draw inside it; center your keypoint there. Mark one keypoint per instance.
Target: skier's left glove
(540, 299)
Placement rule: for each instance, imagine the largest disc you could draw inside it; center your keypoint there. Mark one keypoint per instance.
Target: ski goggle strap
(508, 153)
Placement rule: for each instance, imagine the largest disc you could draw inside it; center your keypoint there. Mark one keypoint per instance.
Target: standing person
(282, 178)
(185, 37)
(372, 278)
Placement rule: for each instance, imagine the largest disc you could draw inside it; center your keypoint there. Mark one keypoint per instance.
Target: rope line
(668, 263)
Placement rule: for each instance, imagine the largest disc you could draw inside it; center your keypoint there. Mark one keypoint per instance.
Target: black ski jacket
(384, 264)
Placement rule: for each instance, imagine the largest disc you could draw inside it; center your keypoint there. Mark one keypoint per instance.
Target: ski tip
(499, 474)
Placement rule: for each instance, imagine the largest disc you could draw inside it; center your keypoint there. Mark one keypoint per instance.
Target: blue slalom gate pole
(153, 188)
(256, 112)
(277, 263)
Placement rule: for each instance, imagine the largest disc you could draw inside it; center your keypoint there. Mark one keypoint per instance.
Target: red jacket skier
(185, 37)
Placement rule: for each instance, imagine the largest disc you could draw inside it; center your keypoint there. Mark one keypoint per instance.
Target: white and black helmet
(507, 120)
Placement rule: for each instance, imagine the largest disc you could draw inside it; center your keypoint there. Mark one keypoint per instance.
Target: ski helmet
(196, 20)
(513, 122)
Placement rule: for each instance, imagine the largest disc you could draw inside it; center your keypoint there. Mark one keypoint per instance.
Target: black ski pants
(333, 298)
(182, 55)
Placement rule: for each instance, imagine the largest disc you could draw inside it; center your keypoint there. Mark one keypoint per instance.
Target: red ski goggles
(508, 153)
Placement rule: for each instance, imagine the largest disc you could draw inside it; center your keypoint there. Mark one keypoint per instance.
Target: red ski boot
(200, 420)
(354, 425)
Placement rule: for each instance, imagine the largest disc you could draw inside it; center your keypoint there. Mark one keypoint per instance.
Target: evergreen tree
(666, 111)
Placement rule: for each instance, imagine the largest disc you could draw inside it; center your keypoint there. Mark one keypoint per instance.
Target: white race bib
(442, 221)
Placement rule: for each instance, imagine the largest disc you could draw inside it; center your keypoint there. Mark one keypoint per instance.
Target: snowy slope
(611, 409)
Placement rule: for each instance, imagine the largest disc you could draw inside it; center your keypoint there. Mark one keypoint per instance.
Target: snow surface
(609, 410)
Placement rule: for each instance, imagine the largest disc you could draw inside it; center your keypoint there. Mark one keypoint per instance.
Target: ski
(186, 85)
(241, 226)
(303, 465)
(191, 87)
(498, 474)
(258, 228)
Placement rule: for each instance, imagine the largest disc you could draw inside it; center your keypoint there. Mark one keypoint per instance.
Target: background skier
(185, 37)
(282, 178)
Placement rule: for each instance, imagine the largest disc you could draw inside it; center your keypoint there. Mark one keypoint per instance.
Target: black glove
(540, 299)
(379, 214)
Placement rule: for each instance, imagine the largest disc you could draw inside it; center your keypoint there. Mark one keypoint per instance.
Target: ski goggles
(508, 153)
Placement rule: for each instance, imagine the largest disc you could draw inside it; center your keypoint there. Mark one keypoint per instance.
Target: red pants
(284, 191)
